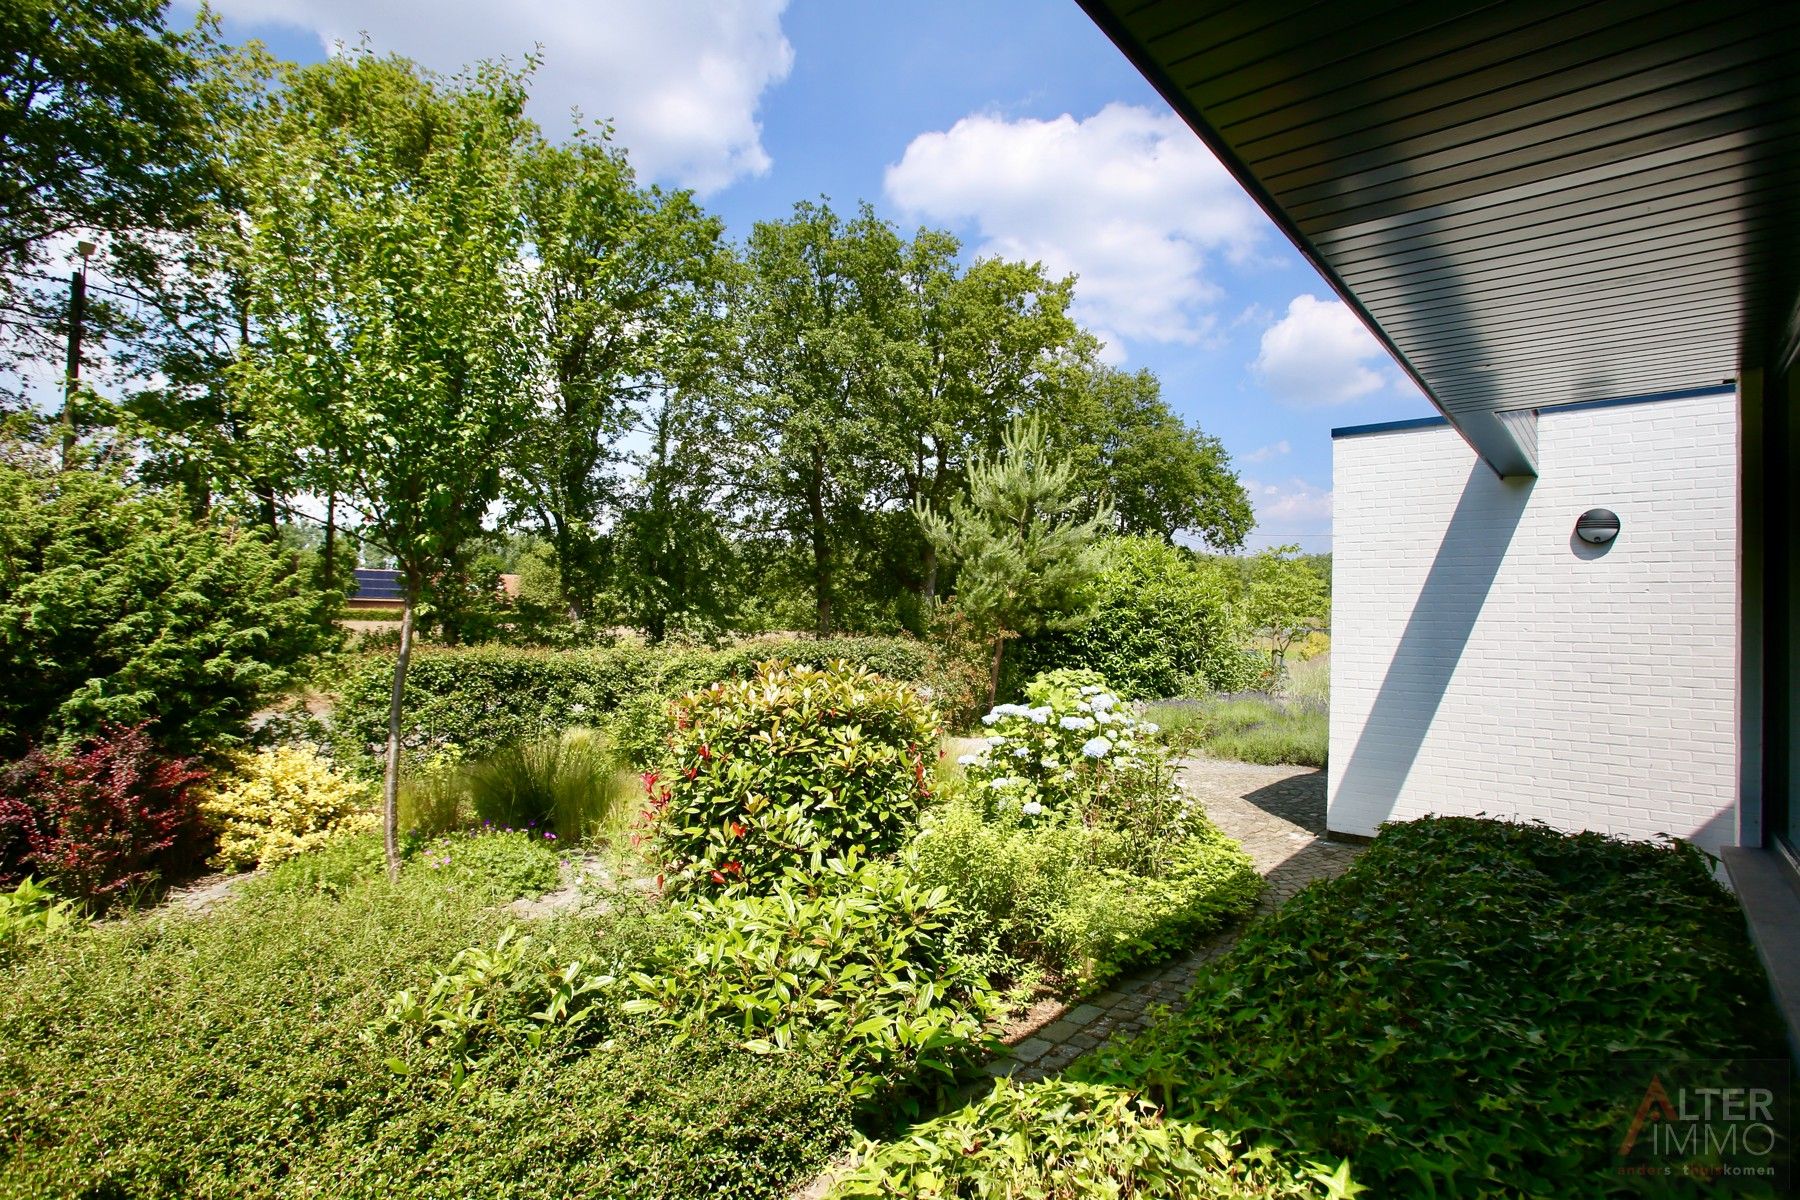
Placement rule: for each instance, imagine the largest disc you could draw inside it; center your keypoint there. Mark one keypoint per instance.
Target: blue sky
(1013, 123)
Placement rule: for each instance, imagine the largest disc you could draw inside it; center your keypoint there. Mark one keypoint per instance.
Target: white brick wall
(1483, 660)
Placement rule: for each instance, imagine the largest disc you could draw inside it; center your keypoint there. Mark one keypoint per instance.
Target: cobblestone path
(1278, 813)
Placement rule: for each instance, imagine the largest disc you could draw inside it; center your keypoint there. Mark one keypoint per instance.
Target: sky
(1014, 124)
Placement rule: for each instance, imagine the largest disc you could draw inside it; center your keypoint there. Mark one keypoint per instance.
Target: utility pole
(72, 380)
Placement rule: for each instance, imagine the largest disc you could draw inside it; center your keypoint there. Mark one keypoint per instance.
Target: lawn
(1249, 727)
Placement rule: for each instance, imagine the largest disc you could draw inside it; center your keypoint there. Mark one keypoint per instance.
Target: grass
(575, 784)
(1248, 727)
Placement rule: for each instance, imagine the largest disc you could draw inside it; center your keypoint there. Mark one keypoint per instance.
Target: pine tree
(1026, 560)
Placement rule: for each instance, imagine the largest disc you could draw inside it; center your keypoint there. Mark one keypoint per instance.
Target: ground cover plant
(260, 1068)
(1063, 1140)
(1449, 1013)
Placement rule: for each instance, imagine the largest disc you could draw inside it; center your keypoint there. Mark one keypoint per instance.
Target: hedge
(476, 700)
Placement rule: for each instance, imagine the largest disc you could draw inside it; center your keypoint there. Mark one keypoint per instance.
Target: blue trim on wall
(1389, 426)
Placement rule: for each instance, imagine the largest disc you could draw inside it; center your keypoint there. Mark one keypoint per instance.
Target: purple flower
(551, 837)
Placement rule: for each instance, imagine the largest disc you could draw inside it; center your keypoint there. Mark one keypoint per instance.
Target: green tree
(1286, 599)
(821, 297)
(1026, 559)
(625, 305)
(1162, 476)
(384, 261)
(117, 607)
(101, 129)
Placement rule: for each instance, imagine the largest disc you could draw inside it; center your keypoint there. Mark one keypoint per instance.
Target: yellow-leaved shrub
(281, 802)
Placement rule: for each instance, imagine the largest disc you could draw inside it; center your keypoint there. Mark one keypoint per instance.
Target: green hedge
(1453, 1013)
(480, 699)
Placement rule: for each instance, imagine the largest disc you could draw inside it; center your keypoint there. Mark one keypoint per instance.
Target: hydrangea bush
(1073, 746)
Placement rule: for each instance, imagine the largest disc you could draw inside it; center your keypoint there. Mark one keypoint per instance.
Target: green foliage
(1287, 599)
(281, 802)
(183, 1056)
(1451, 1011)
(519, 991)
(849, 962)
(117, 608)
(1161, 476)
(1163, 622)
(1086, 901)
(30, 915)
(1061, 1140)
(474, 702)
(1248, 728)
(1025, 558)
(788, 767)
(501, 863)
(571, 785)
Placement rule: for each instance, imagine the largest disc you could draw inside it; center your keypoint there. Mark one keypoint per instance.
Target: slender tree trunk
(928, 585)
(821, 543)
(390, 783)
(265, 496)
(330, 538)
(994, 670)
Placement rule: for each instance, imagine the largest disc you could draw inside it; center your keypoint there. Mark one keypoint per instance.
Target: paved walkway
(1278, 813)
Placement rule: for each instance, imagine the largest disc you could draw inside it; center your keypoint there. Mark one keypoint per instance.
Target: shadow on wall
(1463, 572)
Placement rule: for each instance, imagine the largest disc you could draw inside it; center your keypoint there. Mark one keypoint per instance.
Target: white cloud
(1292, 507)
(1265, 453)
(1320, 354)
(1128, 199)
(679, 79)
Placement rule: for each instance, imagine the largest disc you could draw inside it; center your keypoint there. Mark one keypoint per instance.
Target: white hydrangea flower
(1049, 760)
(1038, 716)
(1092, 689)
(989, 718)
(1002, 782)
(1150, 727)
(1084, 706)
(1102, 701)
(1077, 722)
(995, 742)
(1022, 752)
(967, 760)
(1031, 808)
(1096, 747)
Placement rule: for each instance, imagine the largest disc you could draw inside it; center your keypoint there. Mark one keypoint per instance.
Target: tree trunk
(821, 543)
(330, 539)
(265, 496)
(928, 585)
(994, 671)
(390, 783)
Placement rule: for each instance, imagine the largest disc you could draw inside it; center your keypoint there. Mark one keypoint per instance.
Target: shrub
(502, 863)
(1452, 1011)
(176, 1056)
(570, 784)
(1085, 901)
(1060, 1140)
(281, 802)
(31, 915)
(786, 768)
(109, 817)
(1164, 618)
(850, 964)
(1066, 750)
(476, 701)
(116, 608)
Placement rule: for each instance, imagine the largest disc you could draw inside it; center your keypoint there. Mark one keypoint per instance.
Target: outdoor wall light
(1597, 526)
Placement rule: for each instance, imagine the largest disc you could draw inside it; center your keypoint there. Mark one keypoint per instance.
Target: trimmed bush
(1165, 623)
(111, 816)
(1452, 1012)
(473, 702)
(785, 769)
(850, 964)
(281, 802)
(117, 608)
(1061, 1140)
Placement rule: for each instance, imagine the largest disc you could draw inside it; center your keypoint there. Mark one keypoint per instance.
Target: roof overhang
(1531, 204)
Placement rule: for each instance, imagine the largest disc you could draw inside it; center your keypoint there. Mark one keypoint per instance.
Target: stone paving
(1278, 813)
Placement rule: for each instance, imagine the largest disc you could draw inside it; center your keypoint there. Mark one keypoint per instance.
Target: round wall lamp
(1597, 526)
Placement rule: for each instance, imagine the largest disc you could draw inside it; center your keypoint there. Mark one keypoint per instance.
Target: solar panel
(373, 583)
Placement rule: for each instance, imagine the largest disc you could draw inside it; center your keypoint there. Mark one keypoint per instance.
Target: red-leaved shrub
(112, 815)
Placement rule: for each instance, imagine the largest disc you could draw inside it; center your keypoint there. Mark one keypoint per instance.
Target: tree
(101, 129)
(1162, 476)
(1286, 600)
(820, 298)
(384, 265)
(1026, 560)
(624, 303)
(117, 608)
